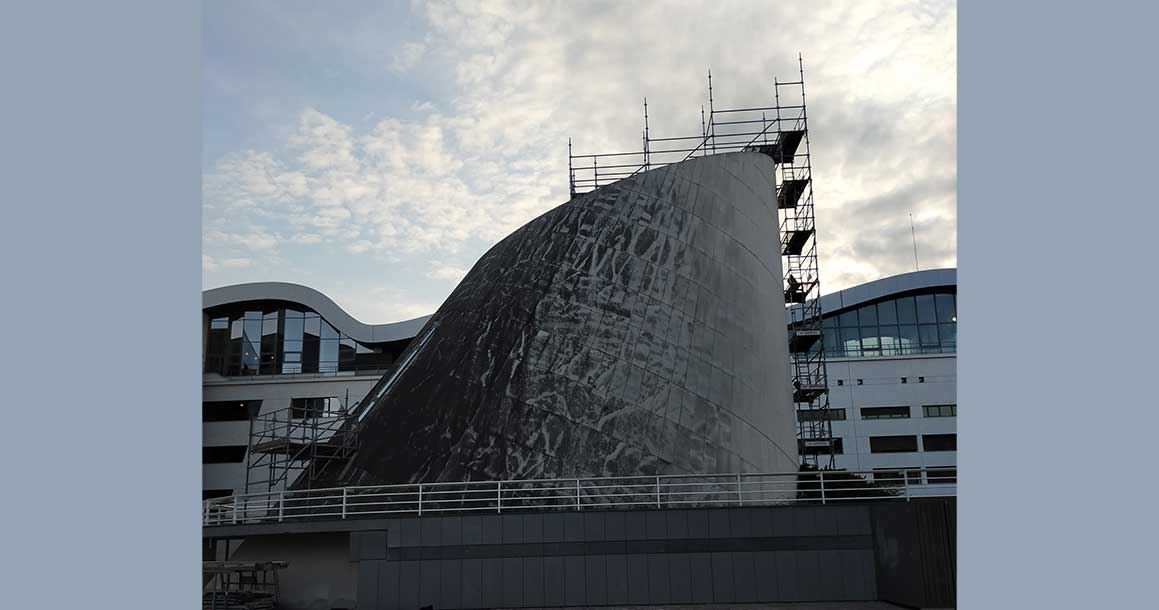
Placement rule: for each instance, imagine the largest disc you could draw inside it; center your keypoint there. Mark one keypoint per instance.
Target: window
(229, 410)
(926, 311)
(867, 315)
(893, 444)
(224, 454)
(209, 494)
(885, 413)
(887, 312)
(939, 410)
(940, 442)
(301, 408)
(942, 475)
(815, 415)
(945, 307)
(821, 449)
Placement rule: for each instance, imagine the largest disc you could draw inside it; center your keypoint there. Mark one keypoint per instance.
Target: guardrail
(665, 491)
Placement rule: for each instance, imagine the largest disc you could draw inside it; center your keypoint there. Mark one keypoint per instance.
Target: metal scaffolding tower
(778, 131)
(289, 448)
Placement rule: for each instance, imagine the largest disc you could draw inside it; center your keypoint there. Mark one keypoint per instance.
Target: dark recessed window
(209, 494)
(225, 454)
(921, 379)
(940, 410)
(301, 408)
(904, 380)
(885, 413)
(940, 442)
(840, 382)
(229, 410)
(860, 381)
(893, 444)
(891, 477)
(815, 415)
(803, 449)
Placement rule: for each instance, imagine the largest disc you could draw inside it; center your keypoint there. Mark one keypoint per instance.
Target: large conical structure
(636, 329)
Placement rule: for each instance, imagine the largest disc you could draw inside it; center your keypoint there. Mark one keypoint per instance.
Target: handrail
(654, 491)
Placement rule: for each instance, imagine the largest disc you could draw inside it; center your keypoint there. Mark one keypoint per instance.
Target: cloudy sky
(375, 150)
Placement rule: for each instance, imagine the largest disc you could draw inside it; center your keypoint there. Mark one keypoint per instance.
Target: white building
(892, 365)
(274, 348)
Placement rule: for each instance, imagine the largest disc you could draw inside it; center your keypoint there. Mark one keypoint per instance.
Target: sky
(375, 150)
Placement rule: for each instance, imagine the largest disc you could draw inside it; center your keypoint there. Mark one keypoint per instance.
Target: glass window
(832, 340)
(328, 331)
(829, 323)
(229, 410)
(869, 344)
(889, 340)
(291, 313)
(253, 315)
(906, 313)
(815, 415)
(292, 357)
(945, 305)
(313, 324)
(942, 475)
(219, 323)
(940, 442)
(929, 334)
(226, 454)
(291, 369)
(293, 330)
(867, 316)
(235, 329)
(851, 337)
(926, 311)
(948, 334)
(885, 413)
(908, 339)
(887, 312)
(838, 448)
(893, 444)
(293, 346)
(940, 410)
(849, 319)
(328, 350)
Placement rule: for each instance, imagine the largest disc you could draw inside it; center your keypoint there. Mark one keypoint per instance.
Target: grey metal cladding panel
(388, 585)
(638, 592)
(430, 583)
(595, 570)
(594, 526)
(472, 529)
(831, 575)
(492, 583)
(575, 581)
(744, 577)
(659, 585)
(409, 532)
(553, 581)
(680, 578)
(532, 582)
(450, 595)
(512, 595)
(452, 530)
(723, 585)
(617, 574)
(853, 521)
(512, 528)
(472, 583)
(573, 527)
(701, 566)
(408, 584)
(809, 575)
(431, 531)
(788, 583)
(367, 586)
(765, 564)
(556, 309)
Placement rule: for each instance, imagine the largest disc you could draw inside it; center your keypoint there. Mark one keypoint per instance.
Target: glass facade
(923, 323)
(273, 338)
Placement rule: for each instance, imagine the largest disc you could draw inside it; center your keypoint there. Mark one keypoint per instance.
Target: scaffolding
(780, 131)
(291, 448)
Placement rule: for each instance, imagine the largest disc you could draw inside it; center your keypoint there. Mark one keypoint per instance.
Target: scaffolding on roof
(780, 131)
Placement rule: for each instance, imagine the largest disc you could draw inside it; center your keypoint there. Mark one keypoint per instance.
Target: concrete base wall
(320, 575)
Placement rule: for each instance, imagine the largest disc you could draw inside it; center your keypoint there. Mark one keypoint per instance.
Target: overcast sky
(375, 150)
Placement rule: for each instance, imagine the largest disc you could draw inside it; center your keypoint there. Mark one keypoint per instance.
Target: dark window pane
(889, 340)
(885, 413)
(867, 316)
(908, 339)
(829, 323)
(926, 312)
(929, 333)
(226, 454)
(293, 329)
(815, 415)
(893, 444)
(849, 319)
(940, 410)
(940, 442)
(229, 410)
(838, 448)
(906, 314)
(948, 334)
(887, 313)
(832, 341)
(945, 305)
(851, 339)
(941, 475)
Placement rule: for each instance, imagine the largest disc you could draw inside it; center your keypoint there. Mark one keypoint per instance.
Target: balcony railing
(665, 491)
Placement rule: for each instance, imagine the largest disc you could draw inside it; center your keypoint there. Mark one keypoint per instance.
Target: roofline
(324, 305)
(886, 286)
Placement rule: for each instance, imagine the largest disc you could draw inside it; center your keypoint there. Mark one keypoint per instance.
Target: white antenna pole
(915, 239)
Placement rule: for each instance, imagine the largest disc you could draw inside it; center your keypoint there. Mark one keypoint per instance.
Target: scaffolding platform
(327, 450)
(797, 293)
(808, 392)
(794, 240)
(784, 150)
(801, 340)
(790, 193)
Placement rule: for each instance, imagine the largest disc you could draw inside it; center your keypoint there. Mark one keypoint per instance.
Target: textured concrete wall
(636, 329)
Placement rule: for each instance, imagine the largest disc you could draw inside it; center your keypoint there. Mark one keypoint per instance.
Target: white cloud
(450, 273)
(475, 164)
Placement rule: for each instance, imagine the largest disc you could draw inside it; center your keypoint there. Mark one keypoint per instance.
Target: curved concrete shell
(636, 329)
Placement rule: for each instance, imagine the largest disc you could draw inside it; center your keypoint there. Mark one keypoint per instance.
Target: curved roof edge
(880, 288)
(324, 305)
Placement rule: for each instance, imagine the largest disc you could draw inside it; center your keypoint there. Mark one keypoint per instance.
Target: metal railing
(664, 491)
